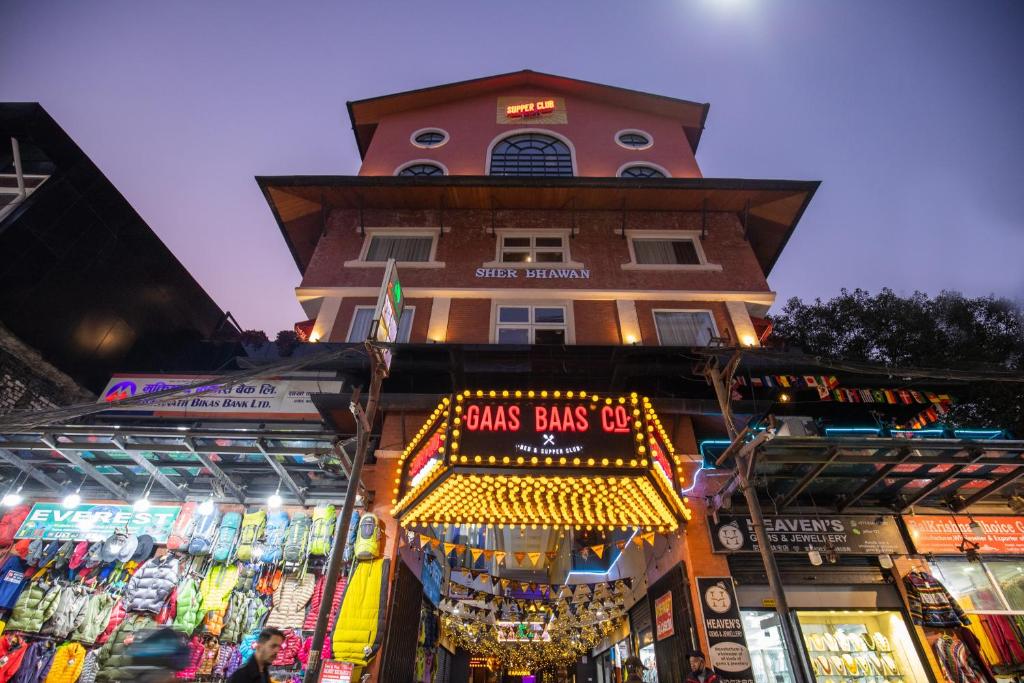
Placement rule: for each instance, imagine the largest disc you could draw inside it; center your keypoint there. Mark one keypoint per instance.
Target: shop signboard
(664, 626)
(96, 522)
(573, 429)
(848, 534)
(265, 399)
(433, 573)
(390, 306)
(943, 534)
(334, 671)
(727, 644)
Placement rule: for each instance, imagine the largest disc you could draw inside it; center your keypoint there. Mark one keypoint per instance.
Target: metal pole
(771, 569)
(364, 422)
(18, 172)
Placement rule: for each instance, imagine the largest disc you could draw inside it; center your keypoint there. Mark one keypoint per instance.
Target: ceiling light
(274, 502)
(206, 507)
(12, 499)
(72, 500)
(142, 504)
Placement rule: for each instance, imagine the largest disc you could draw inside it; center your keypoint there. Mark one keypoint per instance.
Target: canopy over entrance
(540, 459)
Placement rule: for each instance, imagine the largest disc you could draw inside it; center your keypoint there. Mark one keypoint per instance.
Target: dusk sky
(911, 113)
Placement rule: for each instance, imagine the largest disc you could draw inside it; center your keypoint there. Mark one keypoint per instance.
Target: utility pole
(388, 314)
(745, 457)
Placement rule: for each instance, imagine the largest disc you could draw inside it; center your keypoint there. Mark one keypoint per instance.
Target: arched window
(641, 171)
(422, 169)
(531, 154)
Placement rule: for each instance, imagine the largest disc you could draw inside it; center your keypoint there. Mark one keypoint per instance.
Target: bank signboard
(848, 534)
(267, 399)
(96, 522)
(727, 643)
(944, 534)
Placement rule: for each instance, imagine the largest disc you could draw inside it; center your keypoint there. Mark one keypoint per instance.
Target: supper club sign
(517, 448)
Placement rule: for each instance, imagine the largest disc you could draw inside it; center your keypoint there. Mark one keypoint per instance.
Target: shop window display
(767, 650)
(861, 645)
(991, 592)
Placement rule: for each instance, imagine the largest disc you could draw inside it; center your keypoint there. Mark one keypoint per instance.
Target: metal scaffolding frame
(231, 464)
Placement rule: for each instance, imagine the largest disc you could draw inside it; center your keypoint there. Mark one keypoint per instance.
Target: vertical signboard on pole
(388, 314)
(727, 644)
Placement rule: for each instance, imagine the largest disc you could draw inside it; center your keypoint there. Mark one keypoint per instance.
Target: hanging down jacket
(290, 600)
(114, 658)
(96, 618)
(69, 613)
(35, 606)
(67, 664)
(117, 615)
(220, 580)
(190, 607)
(36, 662)
(90, 667)
(152, 584)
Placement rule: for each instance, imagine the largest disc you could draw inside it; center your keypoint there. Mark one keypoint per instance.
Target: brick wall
(467, 245)
(469, 321)
(28, 382)
(420, 320)
(596, 322)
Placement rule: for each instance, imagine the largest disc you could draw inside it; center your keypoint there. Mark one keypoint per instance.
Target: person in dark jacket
(700, 672)
(257, 669)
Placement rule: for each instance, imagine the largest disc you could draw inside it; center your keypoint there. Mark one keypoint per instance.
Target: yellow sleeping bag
(359, 629)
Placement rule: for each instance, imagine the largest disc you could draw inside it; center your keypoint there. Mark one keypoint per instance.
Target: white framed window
(429, 138)
(532, 249)
(531, 324)
(362, 321)
(410, 247)
(422, 167)
(666, 250)
(677, 327)
(631, 138)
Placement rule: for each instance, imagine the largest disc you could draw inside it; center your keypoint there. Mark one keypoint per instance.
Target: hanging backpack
(322, 531)
(204, 531)
(296, 538)
(226, 536)
(273, 539)
(369, 543)
(350, 540)
(10, 523)
(181, 530)
(253, 525)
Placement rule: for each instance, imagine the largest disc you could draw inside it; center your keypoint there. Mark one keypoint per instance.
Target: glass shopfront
(767, 648)
(991, 591)
(872, 646)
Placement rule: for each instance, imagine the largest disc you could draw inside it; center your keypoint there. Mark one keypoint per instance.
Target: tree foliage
(949, 330)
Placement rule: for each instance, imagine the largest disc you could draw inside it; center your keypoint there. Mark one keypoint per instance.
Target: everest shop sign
(944, 534)
(852, 534)
(268, 399)
(95, 522)
(727, 644)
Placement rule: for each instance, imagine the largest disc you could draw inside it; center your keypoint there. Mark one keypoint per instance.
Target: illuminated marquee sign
(527, 109)
(565, 459)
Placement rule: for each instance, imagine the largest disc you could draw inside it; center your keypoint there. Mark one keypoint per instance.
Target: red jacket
(710, 676)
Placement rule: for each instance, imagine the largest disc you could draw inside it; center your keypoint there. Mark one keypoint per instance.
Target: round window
(633, 139)
(429, 138)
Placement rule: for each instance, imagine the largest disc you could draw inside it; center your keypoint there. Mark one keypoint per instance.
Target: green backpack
(253, 525)
(322, 532)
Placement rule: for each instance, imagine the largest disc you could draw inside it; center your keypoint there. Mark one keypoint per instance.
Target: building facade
(549, 233)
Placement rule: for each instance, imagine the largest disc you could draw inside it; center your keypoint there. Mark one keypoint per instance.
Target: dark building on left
(86, 287)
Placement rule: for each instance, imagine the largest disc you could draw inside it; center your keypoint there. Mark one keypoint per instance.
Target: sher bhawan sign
(96, 522)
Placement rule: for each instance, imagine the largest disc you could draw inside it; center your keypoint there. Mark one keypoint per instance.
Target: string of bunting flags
(473, 555)
(828, 389)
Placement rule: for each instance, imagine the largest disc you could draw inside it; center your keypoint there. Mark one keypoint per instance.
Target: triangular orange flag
(638, 540)
(435, 542)
(551, 554)
(519, 557)
(476, 553)
(534, 557)
(488, 555)
(620, 544)
(424, 540)
(499, 555)
(649, 538)
(448, 548)
(598, 550)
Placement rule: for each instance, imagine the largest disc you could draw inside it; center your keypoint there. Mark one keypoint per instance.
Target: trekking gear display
(271, 547)
(253, 524)
(227, 534)
(204, 531)
(322, 531)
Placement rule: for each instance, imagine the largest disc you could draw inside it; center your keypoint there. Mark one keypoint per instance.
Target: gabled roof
(366, 114)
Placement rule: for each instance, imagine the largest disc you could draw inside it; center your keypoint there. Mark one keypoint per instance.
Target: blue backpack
(204, 531)
(273, 538)
(226, 536)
